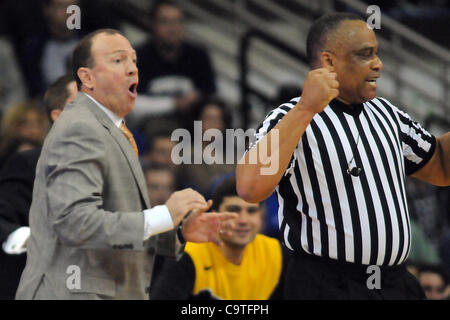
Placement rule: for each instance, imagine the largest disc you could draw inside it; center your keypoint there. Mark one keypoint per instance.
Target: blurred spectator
(12, 88)
(247, 266)
(16, 188)
(161, 183)
(34, 23)
(434, 281)
(212, 114)
(60, 93)
(159, 146)
(46, 55)
(23, 127)
(173, 74)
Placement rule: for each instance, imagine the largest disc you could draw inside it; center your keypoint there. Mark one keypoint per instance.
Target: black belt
(355, 271)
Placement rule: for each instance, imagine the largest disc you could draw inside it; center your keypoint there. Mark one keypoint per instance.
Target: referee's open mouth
(372, 81)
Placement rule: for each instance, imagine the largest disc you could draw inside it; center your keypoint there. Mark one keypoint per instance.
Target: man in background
(434, 281)
(46, 55)
(248, 266)
(175, 73)
(161, 183)
(16, 189)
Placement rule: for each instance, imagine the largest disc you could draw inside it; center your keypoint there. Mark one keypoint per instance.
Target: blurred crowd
(427, 17)
(177, 87)
(177, 81)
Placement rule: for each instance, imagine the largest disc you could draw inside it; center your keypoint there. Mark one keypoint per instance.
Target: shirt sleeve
(418, 145)
(157, 220)
(271, 120)
(16, 243)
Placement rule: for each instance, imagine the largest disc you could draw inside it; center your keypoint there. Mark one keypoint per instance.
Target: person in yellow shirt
(246, 266)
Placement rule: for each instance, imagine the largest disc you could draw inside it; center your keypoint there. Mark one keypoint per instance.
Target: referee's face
(248, 223)
(354, 50)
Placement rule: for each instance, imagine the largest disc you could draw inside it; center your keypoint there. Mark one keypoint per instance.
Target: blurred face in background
(160, 185)
(168, 26)
(55, 13)
(33, 126)
(248, 223)
(212, 118)
(433, 285)
(72, 90)
(161, 152)
(23, 126)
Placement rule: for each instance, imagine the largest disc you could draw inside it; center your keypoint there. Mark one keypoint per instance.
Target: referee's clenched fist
(320, 87)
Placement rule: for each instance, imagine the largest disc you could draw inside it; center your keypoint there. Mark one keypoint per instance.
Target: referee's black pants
(310, 277)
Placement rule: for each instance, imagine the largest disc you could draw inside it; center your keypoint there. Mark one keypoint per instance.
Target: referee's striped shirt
(327, 212)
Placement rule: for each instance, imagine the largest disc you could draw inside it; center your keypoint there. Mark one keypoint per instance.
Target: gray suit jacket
(86, 219)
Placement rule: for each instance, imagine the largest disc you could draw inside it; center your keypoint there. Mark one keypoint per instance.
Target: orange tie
(129, 136)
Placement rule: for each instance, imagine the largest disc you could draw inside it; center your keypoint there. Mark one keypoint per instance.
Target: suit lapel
(123, 143)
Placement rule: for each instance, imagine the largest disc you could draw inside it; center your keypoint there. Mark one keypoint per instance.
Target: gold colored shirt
(254, 279)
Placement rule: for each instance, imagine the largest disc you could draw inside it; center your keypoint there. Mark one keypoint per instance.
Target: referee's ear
(326, 59)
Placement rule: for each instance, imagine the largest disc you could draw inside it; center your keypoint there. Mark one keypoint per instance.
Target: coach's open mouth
(132, 89)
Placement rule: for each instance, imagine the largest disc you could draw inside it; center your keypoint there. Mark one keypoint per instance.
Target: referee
(343, 155)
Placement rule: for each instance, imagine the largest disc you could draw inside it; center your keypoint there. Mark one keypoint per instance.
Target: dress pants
(311, 277)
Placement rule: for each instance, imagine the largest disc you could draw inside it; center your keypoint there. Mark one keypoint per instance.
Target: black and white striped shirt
(327, 212)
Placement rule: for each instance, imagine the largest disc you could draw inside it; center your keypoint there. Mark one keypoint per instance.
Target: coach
(93, 233)
(343, 156)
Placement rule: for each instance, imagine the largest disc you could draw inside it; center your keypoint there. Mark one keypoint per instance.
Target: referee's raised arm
(319, 88)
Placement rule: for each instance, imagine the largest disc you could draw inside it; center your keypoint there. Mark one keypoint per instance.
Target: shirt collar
(114, 117)
(353, 109)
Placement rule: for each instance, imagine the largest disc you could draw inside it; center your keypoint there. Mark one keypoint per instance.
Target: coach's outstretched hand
(202, 226)
(320, 87)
